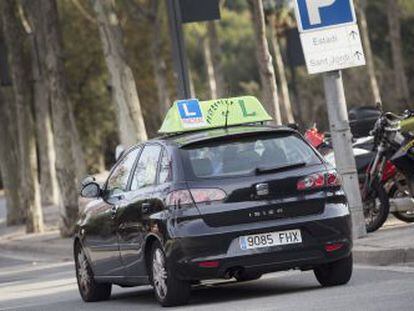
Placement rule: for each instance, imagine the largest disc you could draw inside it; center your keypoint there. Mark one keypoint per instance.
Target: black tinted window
(118, 180)
(243, 156)
(146, 170)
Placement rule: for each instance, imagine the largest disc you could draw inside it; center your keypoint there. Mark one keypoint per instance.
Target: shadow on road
(221, 292)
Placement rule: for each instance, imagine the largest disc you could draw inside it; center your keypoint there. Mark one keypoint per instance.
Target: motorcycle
(394, 147)
(392, 194)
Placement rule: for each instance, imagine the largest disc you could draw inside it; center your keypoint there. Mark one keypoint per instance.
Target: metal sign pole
(178, 47)
(342, 144)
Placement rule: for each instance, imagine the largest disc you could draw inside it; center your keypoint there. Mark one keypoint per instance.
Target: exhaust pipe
(233, 273)
(405, 204)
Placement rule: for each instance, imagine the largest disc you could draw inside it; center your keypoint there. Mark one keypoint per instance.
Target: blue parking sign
(321, 14)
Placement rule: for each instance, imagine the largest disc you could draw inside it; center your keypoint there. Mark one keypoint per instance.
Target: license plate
(270, 239)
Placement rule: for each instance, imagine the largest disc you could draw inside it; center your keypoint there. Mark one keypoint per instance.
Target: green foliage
(88, 77)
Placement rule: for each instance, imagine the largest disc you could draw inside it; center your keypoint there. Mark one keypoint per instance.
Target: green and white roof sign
(191, 114)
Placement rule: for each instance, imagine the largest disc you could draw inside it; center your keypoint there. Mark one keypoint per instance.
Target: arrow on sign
(358, 55)
(353, 34)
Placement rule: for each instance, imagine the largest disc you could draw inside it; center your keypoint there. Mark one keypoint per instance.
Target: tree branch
(84, 12)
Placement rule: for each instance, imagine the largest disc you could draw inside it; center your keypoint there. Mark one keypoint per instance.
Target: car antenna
(226, 116)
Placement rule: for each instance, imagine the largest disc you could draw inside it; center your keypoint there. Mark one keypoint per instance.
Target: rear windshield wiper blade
(269, 169)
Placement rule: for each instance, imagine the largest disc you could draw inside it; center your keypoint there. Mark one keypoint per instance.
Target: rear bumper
(221, 246)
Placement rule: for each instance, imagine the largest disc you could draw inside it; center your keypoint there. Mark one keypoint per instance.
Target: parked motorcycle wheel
(395, 192)
(376, 207)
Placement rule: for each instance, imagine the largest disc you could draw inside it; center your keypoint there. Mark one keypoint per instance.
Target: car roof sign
(191, 114)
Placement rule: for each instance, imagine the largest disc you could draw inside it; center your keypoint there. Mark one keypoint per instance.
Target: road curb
(60, 252)
(376, 257)
(383, 257)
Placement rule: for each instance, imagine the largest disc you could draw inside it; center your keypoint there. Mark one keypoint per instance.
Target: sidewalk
(391, 245)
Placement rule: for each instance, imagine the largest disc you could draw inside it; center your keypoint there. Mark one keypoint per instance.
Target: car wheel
(247, 276)
(169, 290)
(89, 289)
(335, 273)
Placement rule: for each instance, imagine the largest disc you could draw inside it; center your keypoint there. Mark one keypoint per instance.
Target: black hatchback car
(232, 202)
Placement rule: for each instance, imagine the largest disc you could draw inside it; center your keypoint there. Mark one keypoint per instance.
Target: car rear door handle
(145, 207)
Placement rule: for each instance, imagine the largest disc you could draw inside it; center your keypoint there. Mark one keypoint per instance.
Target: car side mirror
(91, 190)
(293, 126)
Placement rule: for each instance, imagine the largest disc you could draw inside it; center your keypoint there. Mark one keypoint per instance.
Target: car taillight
(191, 196)
(207, 195)
(319, 180)
(333, 179)
(179, 198)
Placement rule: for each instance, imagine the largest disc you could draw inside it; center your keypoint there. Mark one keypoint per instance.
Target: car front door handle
(145, 207)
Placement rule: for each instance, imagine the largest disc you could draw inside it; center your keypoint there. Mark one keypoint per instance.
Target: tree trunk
(44, 133)
(158, 61)
(9, 158)
(46, 149)
(267, 74)
(400, 77)
(44, 129)
(211, 77)
(281, 72)
(216, 54)
(361, 6)
(125, 96)
(14, 37)
(77, 150)
(9, 144)
(49, 30)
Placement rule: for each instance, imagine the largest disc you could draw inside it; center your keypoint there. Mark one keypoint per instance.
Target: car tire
(89, 289)
(335, 273)
(395, 192)
(247, 276)
(169, 290)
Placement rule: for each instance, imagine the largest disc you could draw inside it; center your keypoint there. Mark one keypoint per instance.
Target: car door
(131, 230)
(101, 235)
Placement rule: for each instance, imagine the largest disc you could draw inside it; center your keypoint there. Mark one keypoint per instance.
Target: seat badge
(262, 189)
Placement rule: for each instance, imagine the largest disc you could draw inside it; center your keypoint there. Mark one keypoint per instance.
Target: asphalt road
(48, 284)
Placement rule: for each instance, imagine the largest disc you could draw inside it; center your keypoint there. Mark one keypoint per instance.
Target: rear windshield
(244, 156)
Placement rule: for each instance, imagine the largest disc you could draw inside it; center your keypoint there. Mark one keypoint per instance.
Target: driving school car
(219, 195)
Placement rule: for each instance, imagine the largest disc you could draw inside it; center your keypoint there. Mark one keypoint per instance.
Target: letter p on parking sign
(322, 14)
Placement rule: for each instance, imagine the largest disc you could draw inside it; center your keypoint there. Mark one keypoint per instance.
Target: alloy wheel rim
(83, 272)
(159, 273)
(402, 194)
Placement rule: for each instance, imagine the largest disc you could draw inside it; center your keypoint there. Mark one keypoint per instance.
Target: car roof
(182, 139)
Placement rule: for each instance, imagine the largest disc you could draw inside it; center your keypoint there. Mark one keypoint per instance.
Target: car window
(146, 170)
(243, 156)
(118, 180)
(165, 168)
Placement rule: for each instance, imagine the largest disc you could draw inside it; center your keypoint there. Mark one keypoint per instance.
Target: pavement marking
(34, 266)
(36, 289)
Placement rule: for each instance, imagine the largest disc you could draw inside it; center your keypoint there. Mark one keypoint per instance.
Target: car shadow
(225, 291)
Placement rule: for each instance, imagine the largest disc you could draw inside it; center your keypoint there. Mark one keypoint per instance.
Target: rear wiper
(269, 169)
